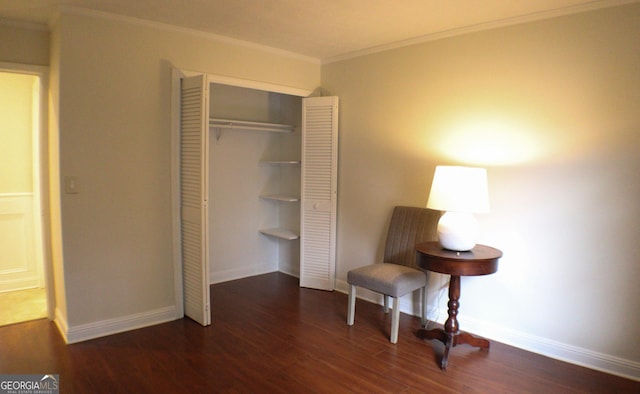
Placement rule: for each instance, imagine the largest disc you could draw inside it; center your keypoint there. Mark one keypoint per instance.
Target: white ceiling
(320, 29)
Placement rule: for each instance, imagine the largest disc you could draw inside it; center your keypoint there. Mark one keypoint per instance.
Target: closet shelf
(280, 197)
(281, 162)
(247, 125)
(280, 233)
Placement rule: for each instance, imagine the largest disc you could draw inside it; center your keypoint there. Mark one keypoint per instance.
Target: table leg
(448, 344)
(465, 337)
(451, 336)
(451, 325)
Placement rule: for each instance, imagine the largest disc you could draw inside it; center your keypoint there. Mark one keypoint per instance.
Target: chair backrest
(409, 226)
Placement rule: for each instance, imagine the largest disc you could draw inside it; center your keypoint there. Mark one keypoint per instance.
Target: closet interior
(254, 182)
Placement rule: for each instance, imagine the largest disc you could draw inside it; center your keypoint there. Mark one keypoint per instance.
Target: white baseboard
(84, 332)
(244, 272)
(557, 350)
(290, 271)
(554, 349)
(61, 323)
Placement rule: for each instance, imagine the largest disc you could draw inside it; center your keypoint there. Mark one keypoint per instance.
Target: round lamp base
(457, 231)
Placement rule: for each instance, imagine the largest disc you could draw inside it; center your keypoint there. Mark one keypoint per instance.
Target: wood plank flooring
(270, 336)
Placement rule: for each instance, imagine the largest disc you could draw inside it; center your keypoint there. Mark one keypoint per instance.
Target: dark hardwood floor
(270, 336)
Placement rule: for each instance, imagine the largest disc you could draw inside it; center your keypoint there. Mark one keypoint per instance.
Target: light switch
(71, 184)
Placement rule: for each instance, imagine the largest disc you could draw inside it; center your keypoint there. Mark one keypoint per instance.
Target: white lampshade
(460, 191)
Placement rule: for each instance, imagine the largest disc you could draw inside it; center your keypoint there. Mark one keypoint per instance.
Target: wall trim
(557, 350)
(61, 323)
(245, 272)
(289, 270)
(554, 349)
(73, 10)
(240, 83)
(85, 332)
(517, 20)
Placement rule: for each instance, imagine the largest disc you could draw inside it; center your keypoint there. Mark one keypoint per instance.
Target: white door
(194, 197)
(319, 192)
(21, 265)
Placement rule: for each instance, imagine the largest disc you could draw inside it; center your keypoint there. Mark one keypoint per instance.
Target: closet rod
(246, 125)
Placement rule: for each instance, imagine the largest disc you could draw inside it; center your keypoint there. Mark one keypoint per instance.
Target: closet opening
(255, 186)
(254, 182)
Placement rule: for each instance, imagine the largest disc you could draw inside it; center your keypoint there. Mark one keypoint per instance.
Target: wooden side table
(481, 260)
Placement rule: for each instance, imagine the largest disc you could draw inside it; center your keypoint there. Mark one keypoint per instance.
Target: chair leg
(395, 320)
(423, 318)
(386, 303)
(351, 309)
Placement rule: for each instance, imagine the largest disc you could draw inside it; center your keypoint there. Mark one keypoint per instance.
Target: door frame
(176, 75)
(42, 217)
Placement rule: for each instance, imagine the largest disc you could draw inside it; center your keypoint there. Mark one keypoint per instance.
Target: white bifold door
(194, 196)
(319, 192)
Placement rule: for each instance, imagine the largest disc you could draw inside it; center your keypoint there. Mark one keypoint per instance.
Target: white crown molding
(576, 9)
(73, 10)
(70, 10)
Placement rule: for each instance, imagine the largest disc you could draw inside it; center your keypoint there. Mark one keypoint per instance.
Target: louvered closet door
(194, 159)
(319, 192)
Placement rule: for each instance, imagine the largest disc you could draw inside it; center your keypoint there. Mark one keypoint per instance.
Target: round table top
(481, 260)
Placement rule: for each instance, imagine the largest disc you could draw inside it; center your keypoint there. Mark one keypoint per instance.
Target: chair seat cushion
(390, 279)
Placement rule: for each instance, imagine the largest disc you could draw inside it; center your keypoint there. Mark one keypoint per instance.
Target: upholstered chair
(398, 274)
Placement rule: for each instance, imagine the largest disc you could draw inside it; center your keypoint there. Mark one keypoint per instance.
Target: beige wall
(24, 44)
(551, 109)
(115, 136)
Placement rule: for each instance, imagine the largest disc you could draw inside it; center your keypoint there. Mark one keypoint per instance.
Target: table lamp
(460, 192)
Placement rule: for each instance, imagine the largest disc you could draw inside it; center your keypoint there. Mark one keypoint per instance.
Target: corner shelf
(280, 233)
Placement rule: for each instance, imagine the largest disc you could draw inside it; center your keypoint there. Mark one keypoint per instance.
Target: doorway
(23, 274)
